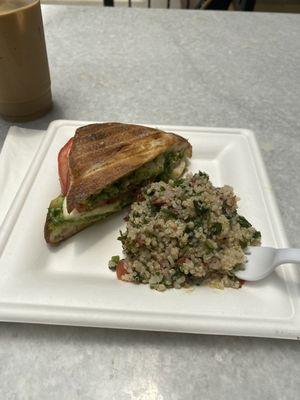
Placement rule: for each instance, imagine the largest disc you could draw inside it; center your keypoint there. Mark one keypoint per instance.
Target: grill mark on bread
(103, 153)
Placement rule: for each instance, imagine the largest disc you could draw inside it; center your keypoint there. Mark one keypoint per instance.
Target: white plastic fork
(263, 260)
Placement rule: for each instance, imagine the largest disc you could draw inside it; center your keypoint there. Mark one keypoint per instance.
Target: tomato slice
(121, 270)
(63, 167)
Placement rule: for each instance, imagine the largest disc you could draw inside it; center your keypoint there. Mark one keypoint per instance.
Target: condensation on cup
(25, 87)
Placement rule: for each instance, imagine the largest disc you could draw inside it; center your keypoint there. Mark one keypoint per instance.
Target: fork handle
(284, 256)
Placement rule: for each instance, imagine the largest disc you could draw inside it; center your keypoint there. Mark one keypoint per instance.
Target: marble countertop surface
(168, 67)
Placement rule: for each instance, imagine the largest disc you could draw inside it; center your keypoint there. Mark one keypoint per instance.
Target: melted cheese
(178, 170)
(75, 215)
(72, 215)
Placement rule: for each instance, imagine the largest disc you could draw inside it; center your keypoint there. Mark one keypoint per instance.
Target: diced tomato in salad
(120, 269)
(182, 260)
(63, 167)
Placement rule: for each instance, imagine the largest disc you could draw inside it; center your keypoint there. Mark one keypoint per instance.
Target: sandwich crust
(103, 153)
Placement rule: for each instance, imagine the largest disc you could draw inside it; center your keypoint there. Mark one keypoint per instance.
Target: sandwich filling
(118, 194)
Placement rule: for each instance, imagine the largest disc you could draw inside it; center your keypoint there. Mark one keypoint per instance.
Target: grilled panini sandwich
(102, 168)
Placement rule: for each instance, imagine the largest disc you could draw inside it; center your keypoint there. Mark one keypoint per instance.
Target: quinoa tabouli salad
(182, 233)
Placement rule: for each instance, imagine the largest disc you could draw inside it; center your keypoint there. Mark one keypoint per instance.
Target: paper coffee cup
(25, 88)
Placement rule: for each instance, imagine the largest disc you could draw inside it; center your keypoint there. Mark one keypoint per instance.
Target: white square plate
(72, 285)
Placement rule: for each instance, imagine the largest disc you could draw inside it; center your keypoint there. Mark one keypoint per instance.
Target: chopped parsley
(200, 208)
(243, 222)
(112, 265)
(168, 213)
(216, 228)
(257, 235)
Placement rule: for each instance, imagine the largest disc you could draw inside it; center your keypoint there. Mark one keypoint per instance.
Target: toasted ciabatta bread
(103, 153)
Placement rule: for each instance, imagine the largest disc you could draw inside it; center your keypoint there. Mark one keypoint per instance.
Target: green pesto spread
(159, 169)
